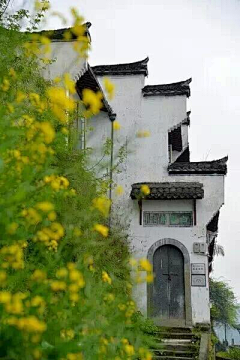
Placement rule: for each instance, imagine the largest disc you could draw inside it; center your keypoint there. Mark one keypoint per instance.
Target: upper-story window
(168, 218)
(174, 143)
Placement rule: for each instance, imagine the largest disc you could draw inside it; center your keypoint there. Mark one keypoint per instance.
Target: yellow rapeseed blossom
(10, 108)
(52, 216)
(74, 356)
(116, 125)
(45, 206)
(129, 350)
(70, 85)
(47, 131)
(145, 265)
(60, 103)
(28, 324)
(5, 297)
(119, 190)
(12, 228)
(32, 216)
(93, 102)
(20, 96)
(5, 84)
(3, 277)
(62, 273)
(145, 190)
(102, 229)
(143, 133)
(106, 278)
(58, 285)
(109, 87)
(39, 275)
(144, 354)
(12, 73)
(12, 257)
(102, 204)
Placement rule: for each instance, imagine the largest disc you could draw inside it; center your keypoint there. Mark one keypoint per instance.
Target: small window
(171, 218)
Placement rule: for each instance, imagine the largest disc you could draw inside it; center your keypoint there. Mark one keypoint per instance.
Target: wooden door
(168, 295)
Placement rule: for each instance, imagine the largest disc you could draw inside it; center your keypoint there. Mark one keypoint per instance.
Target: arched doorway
(169, 297)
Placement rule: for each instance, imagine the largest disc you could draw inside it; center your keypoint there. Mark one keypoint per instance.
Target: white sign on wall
(198, 275)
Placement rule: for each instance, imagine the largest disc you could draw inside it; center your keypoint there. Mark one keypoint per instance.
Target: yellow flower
(20, 96)
(58, 285)
(102, 204)
(93, 101)
(149, 278)
(5, 297)
(143, 133)
(45, 206)
(74, 356)
(39, 275)
(57, 80)
(12, 228)
(31, 324)
(133, 262)
(12, 257)
(10, 108)
(3, 276)
(109, 87)
(145, 189)
(106, 278)
(60, 103)
(102, 229)
(5, 85)
(69, 83)
(144, 354)
(129, 349)
(12, 73)
(62, 273)
(65, 131)
(116, 125)
(145, 265)
(52, 216)
(48, 131)
(119, 190)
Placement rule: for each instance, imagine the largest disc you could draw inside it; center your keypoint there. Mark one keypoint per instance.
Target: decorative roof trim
(173, 89)
(135, 68)
(169, 190)
(89, 81)
(218, 167)
(58, 34)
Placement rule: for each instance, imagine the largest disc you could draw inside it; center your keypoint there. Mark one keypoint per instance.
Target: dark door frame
(187, 277)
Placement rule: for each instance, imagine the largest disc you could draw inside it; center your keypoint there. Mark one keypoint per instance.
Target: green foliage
(224, 303)
(65, 288)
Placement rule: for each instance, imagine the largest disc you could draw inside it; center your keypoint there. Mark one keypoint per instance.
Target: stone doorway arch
(187, 282)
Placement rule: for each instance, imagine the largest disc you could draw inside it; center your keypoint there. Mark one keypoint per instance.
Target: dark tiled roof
(58, 34)
(175, 138)
(139, 67)
(201, 167)
(178, 88)
(169, 191)
(88, 80)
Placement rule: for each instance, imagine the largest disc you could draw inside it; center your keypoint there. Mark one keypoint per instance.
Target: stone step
(175, 335)
(173, 358)
(168, 352)
(176, 346)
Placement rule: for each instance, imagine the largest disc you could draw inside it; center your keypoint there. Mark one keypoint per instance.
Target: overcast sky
(184, 38)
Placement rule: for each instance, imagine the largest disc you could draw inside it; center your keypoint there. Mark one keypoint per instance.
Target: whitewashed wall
(65, 60)
(147, 160)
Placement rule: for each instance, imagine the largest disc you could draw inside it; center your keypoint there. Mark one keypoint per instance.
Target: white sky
(183, 38)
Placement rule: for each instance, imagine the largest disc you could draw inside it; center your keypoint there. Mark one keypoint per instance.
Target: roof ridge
(137, 67)
(178, 83)
(171, 89)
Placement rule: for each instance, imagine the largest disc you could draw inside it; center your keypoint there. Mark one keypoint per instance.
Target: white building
(175, 226)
